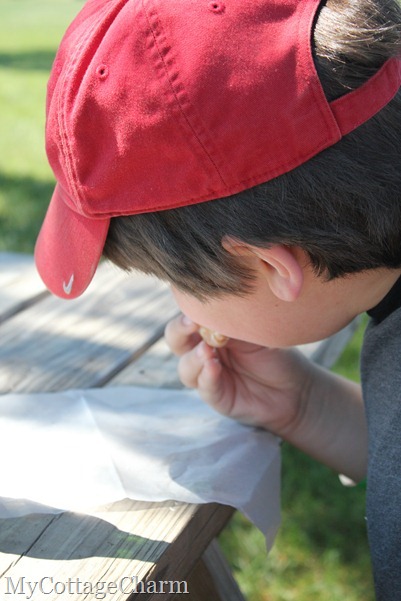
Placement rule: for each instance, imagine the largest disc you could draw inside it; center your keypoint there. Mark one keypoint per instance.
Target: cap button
(217, 7)
(102, 71)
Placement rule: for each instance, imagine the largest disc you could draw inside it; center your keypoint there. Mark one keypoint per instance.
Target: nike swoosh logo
(68, 287)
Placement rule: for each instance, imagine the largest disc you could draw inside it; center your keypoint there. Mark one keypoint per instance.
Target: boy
(285, 116)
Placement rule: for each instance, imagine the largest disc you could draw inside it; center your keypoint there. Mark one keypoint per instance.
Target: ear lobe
(283, 271)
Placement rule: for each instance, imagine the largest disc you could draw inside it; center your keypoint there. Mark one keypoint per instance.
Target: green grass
(29, 34)
(321, 550)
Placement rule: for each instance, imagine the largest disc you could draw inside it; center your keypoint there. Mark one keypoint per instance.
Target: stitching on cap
(391, 73)
(236, 188)
(176, 97)
(62, 104)
(62, 114)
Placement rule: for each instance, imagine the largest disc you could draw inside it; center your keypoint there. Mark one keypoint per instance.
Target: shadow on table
(68, 536)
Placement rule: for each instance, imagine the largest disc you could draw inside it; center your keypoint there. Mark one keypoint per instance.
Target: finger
(181, 334)
(210, 383)
(191, 364)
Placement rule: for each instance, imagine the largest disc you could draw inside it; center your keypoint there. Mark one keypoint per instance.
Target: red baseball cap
(157, 104)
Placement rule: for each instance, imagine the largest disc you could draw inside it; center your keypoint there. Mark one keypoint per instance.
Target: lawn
(29, 33)
(321, 551)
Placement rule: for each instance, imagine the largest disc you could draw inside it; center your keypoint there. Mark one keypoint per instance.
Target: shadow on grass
(323, 512)
(23, 203)
(322, 541)
(35, 60)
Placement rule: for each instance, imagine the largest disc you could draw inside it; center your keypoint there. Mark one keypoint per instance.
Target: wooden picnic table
(111, 336)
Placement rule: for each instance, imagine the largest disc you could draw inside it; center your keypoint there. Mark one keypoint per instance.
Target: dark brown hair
(343, 207)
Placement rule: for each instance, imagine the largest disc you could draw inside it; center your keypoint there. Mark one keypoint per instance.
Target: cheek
(246, 321)
(263, 321)
(232, 317)
(217, 315)
(200, 313)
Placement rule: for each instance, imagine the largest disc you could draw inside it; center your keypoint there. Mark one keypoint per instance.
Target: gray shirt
(381, 386)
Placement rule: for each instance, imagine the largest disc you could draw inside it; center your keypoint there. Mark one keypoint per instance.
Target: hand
(280, 390)
(253, 384)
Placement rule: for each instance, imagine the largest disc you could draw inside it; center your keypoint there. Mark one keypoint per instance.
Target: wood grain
(20, 284)
(56, 344)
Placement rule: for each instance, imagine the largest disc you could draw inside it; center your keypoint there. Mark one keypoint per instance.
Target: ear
(279, 264)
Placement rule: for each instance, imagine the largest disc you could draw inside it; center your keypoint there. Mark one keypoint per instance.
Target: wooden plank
(201, 586)
(49, 347)
(20, 284)
(157, 542)
(156, 368)
(181, 557)
(58, 344)
(16, 266)
(17, 535)
(212, 578)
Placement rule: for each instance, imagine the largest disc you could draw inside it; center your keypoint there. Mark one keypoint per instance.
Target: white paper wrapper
(80, 449)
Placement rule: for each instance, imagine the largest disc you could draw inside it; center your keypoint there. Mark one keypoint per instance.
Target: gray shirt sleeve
(381, 386)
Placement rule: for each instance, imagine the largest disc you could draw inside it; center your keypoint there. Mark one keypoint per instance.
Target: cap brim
(68, 248)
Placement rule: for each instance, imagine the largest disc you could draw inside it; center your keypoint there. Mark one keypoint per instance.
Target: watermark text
(48, 585)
